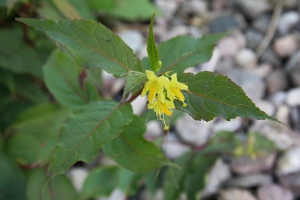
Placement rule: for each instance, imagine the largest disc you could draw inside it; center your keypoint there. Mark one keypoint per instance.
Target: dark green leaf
(100, 182)
(59, 187)
(211, 95)
(174, 177)
(91, 43)
(85, 131)
(152, 49)
(183, 52)
(12, 181)
(17, 56)
(62, 77)
(196, 174)
(133, 79)
(130, 147)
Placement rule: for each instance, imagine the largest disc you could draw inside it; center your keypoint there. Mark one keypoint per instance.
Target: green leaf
(27, 145)
(174, 177)
(59, 187)
(133, 79)
(196, 174)
(152, 49)
(83, 9)
(62, 77)
(100, 182)
(91, 43)
(17, 56)
(12, 181)
(67, 9)
(211, 95)
(85, 131)
(183, 52)
(94, 76)
(142, 9)
(130, 147)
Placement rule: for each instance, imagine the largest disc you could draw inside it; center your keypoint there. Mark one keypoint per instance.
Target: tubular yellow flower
(155, 85)
(173, 89)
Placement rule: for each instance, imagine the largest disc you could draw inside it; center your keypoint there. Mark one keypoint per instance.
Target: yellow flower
(173, 89)
(155, 85)
(162, 106)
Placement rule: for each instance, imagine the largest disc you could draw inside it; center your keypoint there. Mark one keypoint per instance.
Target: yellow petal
(150, 75)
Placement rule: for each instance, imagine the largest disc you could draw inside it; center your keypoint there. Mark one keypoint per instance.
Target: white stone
(192, 131)
(274, 192)
(229, 46)
(278, 98)
(154, 130)
(211, 65)
(224, 125)
(287, 21)
(194, 7)
(115, 195)
(78, 175)
(263, 70)
(174, 148)
(286, 45)
(246, 59)
(236, 194)
(253, 8)
(132, 38)
(282, 114)
(175, 31)
(293, 97)
(218, 174)
(266, 106)
(139, 105)
(289, 162)
(168, 8)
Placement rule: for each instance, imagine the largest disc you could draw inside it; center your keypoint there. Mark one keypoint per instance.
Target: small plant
(87, 122)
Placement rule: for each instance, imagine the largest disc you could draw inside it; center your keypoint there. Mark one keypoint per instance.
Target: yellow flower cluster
(162, 93)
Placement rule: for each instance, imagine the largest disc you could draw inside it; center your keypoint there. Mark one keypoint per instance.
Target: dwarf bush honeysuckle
(162, 93)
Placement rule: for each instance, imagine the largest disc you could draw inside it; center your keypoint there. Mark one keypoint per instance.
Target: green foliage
(212, 95)
(131, 148)
(152, 49)
(69, 87)
(55, 111)
(86, 131)
(91, 43)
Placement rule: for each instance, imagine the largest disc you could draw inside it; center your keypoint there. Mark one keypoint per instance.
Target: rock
(116, 194)
(278, 98)
(146, 195)
(223, 23)
(134, 39)
(246, 59)
(224, 125)
(283, 137)
(295, 118)
(289, 4)
(139, 105)
(262, 23)
(192, 131)
(247, 165)
(263, 70)
(218, 174)
(250, 180)
(173, 148)
(195, 32)
(254, 38)
(266, 106)
(78, 175)
(194, 7)
(253, 85)
(292, 97)
(293, 68)
(175, 31)
(274, 192)
(276, 81)
(286, 45)
(287, 21)
(252, 8)
(211, 65)
(292, 182)
(282, 114)
(168, 8)
(225, 65)
(154, 130)
(289, 162)
(236, 194)
(269, 56)
(229, 47)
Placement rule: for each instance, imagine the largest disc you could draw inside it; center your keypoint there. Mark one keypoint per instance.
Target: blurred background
(261, 54)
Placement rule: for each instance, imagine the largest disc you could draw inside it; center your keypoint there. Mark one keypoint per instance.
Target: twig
(272, 28)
